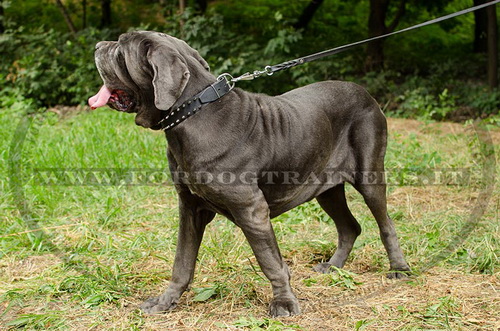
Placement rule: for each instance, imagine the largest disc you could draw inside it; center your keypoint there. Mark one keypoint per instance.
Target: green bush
(479, 97)
(421, 104)
(438, 96)
(51, 67)
(230, 52)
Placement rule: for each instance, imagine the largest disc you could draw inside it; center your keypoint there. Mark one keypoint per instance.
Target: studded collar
(190, 107)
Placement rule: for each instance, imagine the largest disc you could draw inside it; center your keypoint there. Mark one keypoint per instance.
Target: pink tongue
(101, 98)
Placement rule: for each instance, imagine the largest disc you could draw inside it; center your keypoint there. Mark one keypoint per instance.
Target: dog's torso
(294, 145)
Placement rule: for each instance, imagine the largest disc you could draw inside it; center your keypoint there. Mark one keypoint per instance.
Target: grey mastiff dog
(294, 145)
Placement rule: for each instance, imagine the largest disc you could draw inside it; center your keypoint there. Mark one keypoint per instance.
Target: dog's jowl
(251, 157)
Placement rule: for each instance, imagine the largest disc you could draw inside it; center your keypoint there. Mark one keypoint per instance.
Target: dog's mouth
(121, 100)
(116, 99)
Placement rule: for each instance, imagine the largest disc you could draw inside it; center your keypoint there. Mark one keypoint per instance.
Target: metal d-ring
(229, 79)
(269, 70)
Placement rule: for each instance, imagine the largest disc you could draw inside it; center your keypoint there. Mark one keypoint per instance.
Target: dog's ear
(187, 50)
(170, 76)
(198, 57)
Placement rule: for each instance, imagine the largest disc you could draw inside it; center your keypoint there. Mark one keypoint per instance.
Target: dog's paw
(399, 274)
(157, 305)
(284, 307)
(324, 268)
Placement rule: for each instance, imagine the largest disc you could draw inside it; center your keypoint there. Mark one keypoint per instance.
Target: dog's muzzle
(116, 99)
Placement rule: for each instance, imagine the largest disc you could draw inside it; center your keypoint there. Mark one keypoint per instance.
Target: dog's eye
(146, 44)
(119, 56)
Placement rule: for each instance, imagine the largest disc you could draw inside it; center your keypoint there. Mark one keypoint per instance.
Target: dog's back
(321, 134)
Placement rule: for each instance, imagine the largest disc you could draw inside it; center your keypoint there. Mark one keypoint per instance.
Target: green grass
(84, 257)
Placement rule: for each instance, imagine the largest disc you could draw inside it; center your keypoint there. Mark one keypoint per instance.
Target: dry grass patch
(116, 248)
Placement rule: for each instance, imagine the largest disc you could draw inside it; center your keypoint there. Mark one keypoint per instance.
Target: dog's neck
(197, 136)
(198, 80)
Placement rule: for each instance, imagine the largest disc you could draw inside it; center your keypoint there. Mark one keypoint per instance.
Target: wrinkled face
(145, 73)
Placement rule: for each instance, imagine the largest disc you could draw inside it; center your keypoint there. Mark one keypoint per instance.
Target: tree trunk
(66, 16)
(84, 14)
(182, 8)
(376, 27)
(480, 28)
(492, 47)
(307, 14)
(202, 5)
(2, 15)
(105, 13)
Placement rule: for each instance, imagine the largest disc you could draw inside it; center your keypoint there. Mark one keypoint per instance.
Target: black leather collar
(190, 107)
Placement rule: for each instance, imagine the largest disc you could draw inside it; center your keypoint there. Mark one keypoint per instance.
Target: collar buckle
(211, 93)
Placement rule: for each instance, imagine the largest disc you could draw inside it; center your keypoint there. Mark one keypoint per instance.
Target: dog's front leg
(193, 220)
(253, 219)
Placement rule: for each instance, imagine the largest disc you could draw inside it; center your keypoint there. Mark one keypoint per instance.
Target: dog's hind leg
(375, 197)
(334, 204)
(369, 141)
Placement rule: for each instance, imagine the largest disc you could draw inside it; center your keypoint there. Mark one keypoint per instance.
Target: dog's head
(145, 72)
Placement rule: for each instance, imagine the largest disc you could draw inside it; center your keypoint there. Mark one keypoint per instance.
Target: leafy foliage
(205, 293)
(430, 73)
(50, 67)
